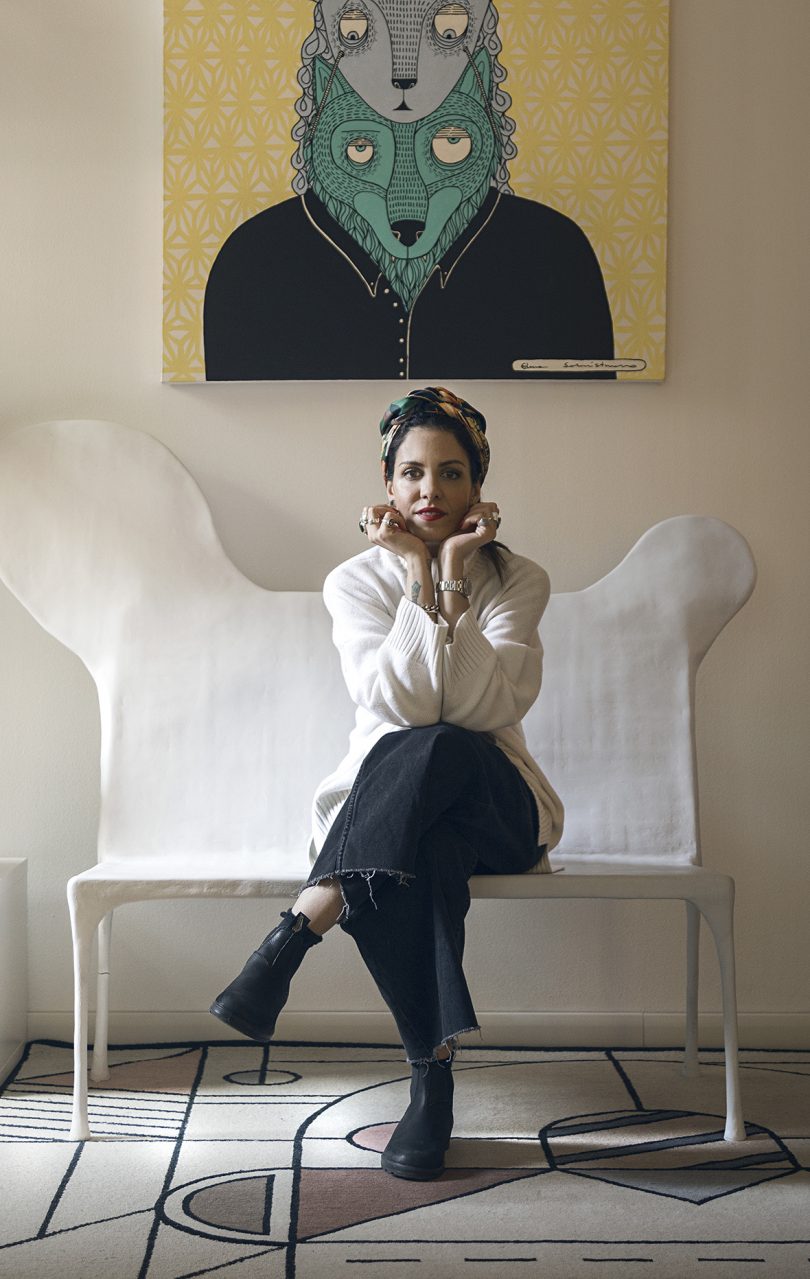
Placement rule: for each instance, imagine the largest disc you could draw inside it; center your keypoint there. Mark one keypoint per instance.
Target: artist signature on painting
(578, 366)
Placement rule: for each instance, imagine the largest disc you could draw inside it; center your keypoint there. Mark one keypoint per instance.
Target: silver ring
(391, 523)
(371, 520)
(362, 525)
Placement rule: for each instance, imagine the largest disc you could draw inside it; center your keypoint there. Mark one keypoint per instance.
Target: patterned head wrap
(438, 402)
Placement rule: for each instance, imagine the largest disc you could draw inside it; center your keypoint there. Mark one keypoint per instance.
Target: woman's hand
(478, 527)
(384, 526)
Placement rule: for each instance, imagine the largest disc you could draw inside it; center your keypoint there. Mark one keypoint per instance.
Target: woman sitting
(436, 626)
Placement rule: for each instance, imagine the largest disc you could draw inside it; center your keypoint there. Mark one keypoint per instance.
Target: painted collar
(366, 267)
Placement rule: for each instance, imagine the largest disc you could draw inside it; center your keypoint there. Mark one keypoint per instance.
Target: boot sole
(409, 1172)
(231, 1018)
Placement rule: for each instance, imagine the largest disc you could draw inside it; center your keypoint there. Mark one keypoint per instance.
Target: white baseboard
(530, 1030)
(756, 1030)
(9, 1061)
(13, 961)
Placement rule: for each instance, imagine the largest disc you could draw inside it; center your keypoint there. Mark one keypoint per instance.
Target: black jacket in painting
(292, 296)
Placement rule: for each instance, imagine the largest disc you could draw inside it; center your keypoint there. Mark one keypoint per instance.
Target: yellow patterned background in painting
(588, 80)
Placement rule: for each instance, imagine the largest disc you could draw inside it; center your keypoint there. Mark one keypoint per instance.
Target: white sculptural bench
(108, 541)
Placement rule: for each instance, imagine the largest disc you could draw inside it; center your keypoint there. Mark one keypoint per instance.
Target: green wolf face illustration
(405, 192)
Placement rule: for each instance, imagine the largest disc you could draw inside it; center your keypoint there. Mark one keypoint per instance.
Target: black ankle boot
(254, 999)
(417, 1145)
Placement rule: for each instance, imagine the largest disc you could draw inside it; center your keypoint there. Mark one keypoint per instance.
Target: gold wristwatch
(461, 584)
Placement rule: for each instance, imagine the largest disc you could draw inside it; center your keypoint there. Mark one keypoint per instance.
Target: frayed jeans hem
(449, 1041)
(402, 877)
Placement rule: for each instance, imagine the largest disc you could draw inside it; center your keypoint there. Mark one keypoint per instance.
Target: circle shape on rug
(261, 1078)
(679, 1154)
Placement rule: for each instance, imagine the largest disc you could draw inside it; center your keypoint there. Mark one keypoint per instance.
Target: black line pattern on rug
(625, 1078)
(60, 1190)
(167, 1181)
(231, 1099)
(232, 1175)
(446, 1199)
(54, 1105)
(662, 1194)
(622, 1050)
(774, 1070)
(265, 1064)
(67, 1089)
(296, 1165)
(116, 1065)
(294, 1241)
(224, 1265)
(49, 1107)
(82, 1225)
(31, 1141)
(101, 1119)
(596, 1243)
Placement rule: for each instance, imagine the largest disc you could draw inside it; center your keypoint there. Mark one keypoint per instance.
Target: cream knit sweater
(402, 669)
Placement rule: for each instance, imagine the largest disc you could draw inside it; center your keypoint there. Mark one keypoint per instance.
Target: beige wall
(579, 471)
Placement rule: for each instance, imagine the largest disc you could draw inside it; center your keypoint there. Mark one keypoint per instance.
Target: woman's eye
(353, 26)
(360, 150)
(452, 475)
(451, 145)
(451, 22)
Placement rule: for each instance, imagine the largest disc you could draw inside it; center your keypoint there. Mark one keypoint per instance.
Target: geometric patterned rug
(227, 1159)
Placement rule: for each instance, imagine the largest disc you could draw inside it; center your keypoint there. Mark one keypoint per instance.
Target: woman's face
(432, 485)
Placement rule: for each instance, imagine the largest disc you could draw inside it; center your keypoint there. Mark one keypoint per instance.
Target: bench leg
(690, 1055)
(82, 944)
(85, 916)
(100, 1068)
(719, 915)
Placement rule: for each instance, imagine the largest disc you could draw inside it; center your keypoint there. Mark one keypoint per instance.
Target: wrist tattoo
(415, 589)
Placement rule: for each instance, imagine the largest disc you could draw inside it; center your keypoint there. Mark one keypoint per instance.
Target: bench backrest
(222, 704)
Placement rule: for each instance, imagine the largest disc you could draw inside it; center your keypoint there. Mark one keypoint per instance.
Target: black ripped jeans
(429, 808)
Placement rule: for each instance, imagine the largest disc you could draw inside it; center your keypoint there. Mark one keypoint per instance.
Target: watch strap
(462, 585)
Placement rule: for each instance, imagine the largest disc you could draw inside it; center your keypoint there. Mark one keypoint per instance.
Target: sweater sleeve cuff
(470, 649)
(415, 634)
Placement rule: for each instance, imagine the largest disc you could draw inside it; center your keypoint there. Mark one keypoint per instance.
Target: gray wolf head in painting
(403, 57)
(403, 191)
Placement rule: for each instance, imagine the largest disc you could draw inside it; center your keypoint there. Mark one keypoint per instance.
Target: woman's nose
(430, 486)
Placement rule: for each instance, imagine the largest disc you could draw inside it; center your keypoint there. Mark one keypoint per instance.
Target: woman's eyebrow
(450, 461)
